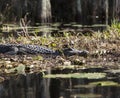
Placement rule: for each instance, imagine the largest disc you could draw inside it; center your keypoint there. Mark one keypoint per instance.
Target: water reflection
(34, 86)
(30, 86)
(66, 88)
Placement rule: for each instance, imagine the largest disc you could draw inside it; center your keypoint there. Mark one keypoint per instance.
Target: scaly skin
(13, 49)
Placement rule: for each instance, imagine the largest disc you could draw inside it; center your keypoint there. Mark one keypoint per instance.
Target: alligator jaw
(83, 53)
(70, 52)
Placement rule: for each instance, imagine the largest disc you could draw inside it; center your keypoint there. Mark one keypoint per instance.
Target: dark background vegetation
(86, 12)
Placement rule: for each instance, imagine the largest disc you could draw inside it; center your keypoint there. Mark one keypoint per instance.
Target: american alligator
(13, 49)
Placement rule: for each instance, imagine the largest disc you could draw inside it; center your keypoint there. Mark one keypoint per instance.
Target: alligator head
(71, 51)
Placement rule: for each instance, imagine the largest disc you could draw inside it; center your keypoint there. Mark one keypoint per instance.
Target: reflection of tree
(30, 86)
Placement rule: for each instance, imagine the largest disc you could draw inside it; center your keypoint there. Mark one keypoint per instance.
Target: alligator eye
(69, 49)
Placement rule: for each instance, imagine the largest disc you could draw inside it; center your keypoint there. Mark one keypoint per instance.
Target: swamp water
(88, 83)
(53, 29)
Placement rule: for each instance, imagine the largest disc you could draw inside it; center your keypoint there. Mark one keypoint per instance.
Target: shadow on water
(36, 86)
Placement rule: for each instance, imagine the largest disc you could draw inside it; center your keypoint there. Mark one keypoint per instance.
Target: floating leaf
(84, 86)
(104, 83)
(86, 95)
(77, 75)
(114, 71)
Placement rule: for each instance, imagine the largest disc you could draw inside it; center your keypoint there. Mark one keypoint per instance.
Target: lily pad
(84, 86)
(114, 71)
(105, 83)
(86, 96)
(77, 75)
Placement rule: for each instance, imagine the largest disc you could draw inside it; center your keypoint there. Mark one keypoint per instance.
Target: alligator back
(24, 48)
(35, 49)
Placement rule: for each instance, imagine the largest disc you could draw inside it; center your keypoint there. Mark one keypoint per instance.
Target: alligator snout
(70, 52)
(83, 53)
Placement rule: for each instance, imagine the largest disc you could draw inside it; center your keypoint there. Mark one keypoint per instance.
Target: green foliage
(20, 69)
(112, 32)
(115, 24)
